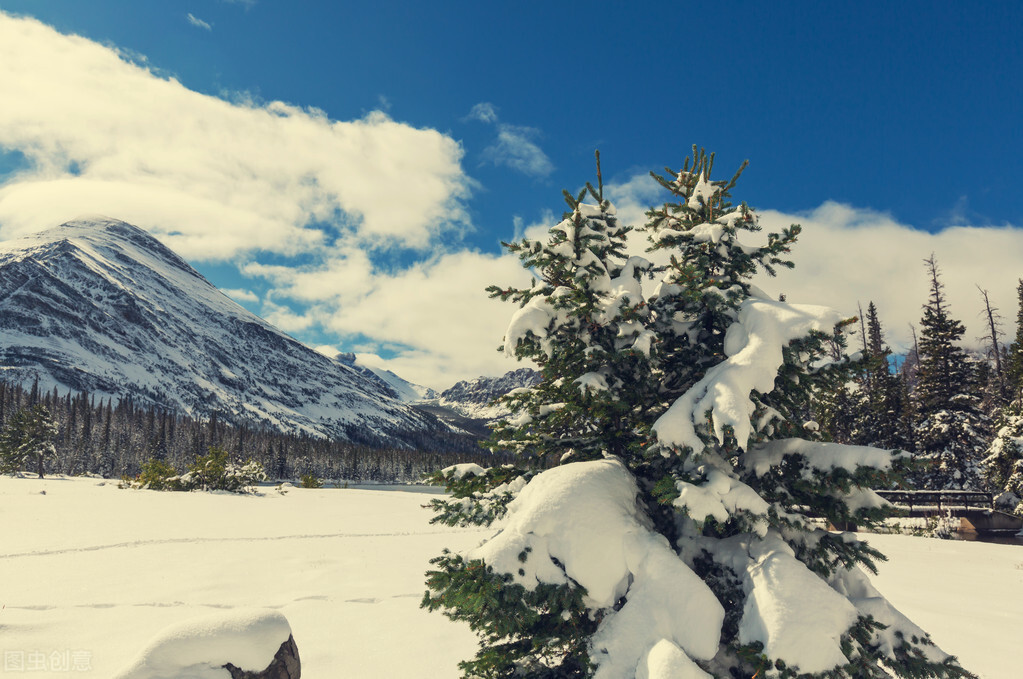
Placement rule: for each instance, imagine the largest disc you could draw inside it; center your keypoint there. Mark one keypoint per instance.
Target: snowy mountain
(99, 305)
(474, 399)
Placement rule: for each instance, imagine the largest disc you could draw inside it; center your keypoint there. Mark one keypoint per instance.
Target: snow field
(99, 571)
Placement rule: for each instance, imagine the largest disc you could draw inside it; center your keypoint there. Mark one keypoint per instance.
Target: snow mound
(199, 648)
(794, 613)
(580, 523)
(667, 661)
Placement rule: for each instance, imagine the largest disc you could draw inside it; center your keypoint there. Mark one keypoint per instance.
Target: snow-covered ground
(91, 574)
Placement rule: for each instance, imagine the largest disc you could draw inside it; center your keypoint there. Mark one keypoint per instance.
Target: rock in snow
(101, 306)
(253, 644)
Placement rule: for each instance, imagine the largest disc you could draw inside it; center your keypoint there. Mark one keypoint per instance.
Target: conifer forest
(114, 440)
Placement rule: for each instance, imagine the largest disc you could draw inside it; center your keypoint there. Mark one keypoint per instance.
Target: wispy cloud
(241, 295)
(270, 176)
(435, 316)
(198, 23)
(246, 3)
(515, 146)
(484, 112)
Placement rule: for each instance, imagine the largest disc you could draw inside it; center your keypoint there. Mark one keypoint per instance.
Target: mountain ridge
(99, 305)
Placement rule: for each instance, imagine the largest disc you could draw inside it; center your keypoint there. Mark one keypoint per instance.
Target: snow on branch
(819, 455)
(754, 345)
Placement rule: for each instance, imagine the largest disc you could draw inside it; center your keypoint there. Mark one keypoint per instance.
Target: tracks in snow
(201, 540)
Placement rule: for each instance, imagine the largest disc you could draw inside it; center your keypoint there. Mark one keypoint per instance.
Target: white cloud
(443, 327)
(848, 255)
(198, 23)
(515, 146)
(435, 316)
(484, 112)
(241, 295)
(212, 178)
(344, 274)
(516, 149)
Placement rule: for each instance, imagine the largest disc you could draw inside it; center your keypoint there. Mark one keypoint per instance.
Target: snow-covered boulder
(250, 644)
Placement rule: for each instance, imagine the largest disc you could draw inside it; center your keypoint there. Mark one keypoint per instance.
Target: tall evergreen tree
(582, 323)
(883, 422)
(950, 428)
(659, 513)
(1003, 464)
(29, 435)
(1014, 369)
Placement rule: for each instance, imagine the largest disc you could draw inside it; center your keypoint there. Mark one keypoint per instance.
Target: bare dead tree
(991, 313)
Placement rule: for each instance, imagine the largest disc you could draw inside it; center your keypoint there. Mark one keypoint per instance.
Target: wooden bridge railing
(939, 498)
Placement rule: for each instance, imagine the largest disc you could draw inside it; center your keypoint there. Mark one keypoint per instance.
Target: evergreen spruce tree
(28, 435)
(1003, 464)
(657, 521)
(1014, 369)
(883, 421)
(950, 428)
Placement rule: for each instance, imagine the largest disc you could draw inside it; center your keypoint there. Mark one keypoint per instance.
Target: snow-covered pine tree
(1003, 465)
(583, 323)
(686, 540)
(1014, 370)
(28, 435)
(951, 429)
(883, 421)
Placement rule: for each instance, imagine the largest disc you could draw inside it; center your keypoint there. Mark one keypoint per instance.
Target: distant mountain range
(468, 405)
(99, 305)
(474, 399)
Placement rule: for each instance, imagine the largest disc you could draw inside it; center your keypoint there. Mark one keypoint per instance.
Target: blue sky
(892, 128)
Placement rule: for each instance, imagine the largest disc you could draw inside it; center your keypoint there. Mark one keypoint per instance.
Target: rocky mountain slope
(99, 305)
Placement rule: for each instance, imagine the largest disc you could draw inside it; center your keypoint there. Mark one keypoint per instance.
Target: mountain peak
(99, 305)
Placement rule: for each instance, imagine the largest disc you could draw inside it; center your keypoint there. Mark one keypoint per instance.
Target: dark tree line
(113, 439)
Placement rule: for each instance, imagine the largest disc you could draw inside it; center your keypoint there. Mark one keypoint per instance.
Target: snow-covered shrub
(158, 475)
(663, 517)
(215, 471)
